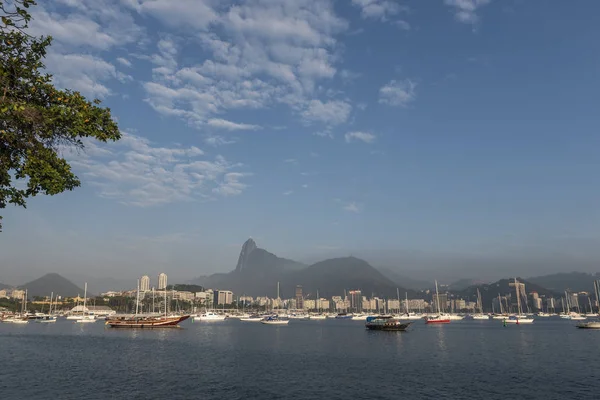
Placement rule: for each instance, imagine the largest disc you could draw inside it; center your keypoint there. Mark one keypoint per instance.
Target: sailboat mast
(84, 298)
(137, 298)
(437, 297)
(518, 297)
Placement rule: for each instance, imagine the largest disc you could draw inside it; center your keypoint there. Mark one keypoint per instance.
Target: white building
(162, 281)
(95, 310)
(145, 283)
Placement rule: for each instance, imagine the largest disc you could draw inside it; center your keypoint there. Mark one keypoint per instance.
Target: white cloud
(215, 140)
(81, 72)
(402, 24)
(260, 53)
(397, 93)
(379, 9)
(360, 136)
(124, 62)
(290, 161)
(305, 186)
(231, 126)
(180, 14)
(288, 192)
(466, 9)
(135, 172)
(333, 112)
(352, 207)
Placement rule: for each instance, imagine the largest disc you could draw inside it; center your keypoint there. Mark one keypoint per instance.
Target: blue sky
(320, 128)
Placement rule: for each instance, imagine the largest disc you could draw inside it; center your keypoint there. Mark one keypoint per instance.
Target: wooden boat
(386, 323)
(146, 322)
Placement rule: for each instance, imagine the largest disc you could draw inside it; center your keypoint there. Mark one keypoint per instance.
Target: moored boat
(589, 325)
(252, 318)
(146, 322)
(386, 323)
(209, 316)
(274, 320)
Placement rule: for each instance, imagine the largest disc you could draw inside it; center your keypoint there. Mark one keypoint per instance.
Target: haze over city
(443, 139)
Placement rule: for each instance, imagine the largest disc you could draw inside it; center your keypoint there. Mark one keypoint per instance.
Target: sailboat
(481, 315)
(440, 318)
(48, 318)
(520, 318)
(85, 318)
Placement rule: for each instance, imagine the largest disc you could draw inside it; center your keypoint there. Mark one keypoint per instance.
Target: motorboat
(209, 316)
(359, 317)
(386, 323)
(274, 320)
(86, 319)
(318, 317)
(589, 325)
(252, 318)
(480, 317)
(519, 319)
(437, 319)
(343, 316)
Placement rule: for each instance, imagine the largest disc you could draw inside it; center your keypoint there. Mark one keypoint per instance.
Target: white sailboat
(85, 318)
(520, 318)
(441, 318)
(48, 318)
(480, 315)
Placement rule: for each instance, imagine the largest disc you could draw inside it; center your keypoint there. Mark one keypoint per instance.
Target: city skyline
(412, 134)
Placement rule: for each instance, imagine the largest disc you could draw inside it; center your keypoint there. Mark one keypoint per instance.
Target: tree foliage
(37, 120)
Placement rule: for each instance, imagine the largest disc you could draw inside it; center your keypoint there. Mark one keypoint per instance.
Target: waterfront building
(222, 297)
(443, 301)
(17, 294)
(95, 310)
(3, 294)
(162, 281)
(355, 300)
(395, 304)
(299, 298)
(183, 295)
(144, 283)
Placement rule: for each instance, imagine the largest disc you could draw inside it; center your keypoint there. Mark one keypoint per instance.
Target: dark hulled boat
(150, 322)
(386, 323)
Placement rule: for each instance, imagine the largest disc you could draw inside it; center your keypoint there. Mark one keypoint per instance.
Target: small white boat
(252, 318)
(47, 319)
(274, 320)
(519, 319)
(209, 316)
(589, 325)
(318, 317)
(359, 317)
(85, 319)
(543, 315)
(481, 317)
(16, 320)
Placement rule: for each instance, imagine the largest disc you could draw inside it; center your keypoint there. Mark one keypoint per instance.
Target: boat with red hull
(437, 320)
(146, 322)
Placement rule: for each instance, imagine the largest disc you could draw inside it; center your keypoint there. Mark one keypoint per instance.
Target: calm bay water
(332, 359)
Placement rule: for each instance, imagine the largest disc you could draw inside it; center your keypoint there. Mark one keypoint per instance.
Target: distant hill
(258, 271)
(331, 277)
(463, 284)
(3, 286)
(571, 281)
(52, 283)
(399, 279)
(502, 288)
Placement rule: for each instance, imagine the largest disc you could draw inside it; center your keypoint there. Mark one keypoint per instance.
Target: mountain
(52, 283)
(571, 281)
(3, 286)
(463, 284)
(502, 288)
(399, 279)
(332, 277)
(258, 271)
